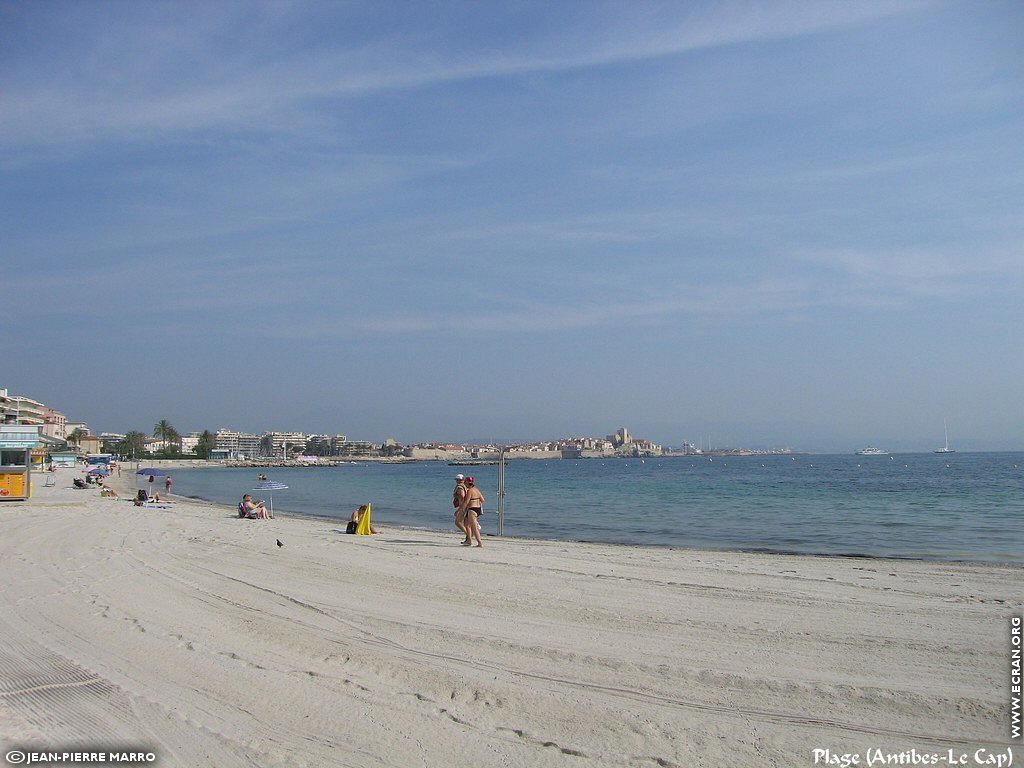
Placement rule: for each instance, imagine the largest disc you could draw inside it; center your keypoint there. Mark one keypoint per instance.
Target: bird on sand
(279, 543)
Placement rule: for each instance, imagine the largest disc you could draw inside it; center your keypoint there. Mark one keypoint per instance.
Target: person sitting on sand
(254, 510)
(357, 515)
(108, 492)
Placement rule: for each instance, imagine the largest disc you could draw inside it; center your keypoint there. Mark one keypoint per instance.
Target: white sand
(191, 634)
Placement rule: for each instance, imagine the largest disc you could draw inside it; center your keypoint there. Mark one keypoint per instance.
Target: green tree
(207, 442)
(76, 435)
(318, 446)
(132, 445)
(167, 434)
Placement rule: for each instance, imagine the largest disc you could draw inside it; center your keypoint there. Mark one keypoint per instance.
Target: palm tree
(166, 433)
(76, 435)
(133, 444)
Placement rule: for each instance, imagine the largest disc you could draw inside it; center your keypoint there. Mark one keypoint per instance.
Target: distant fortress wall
(440, 454)
(585, 453)
(435, 454)
(532, 455)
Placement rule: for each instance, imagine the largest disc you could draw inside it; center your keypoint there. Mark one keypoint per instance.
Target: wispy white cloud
(911, 272)
(165, 81)
(861, 282)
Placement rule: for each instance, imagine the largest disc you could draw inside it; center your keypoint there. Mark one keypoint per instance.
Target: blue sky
(764, 223)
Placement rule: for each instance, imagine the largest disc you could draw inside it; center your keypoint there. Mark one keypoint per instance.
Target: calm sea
(964, 506)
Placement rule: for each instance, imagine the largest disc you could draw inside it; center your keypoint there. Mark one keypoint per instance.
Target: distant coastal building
(109, 441)
(354, 448)
(620, 438)
(54, 426)
(55, 423)
(237, 444)
(90, 444)
(21, 410)
(189, 442)
(282, 444)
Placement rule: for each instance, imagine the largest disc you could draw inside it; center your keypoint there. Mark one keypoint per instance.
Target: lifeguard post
(16, 444)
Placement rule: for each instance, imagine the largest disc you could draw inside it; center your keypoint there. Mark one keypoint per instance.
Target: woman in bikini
(472, 507)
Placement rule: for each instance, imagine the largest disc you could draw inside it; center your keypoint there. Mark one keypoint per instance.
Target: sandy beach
(189, 633)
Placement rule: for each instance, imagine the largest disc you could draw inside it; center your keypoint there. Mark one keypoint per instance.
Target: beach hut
(17, 442)
(63, 459)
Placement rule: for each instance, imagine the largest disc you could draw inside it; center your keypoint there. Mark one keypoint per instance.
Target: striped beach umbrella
(270, 485)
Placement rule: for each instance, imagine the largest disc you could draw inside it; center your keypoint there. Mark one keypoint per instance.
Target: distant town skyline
(761, 224)
(39, 413)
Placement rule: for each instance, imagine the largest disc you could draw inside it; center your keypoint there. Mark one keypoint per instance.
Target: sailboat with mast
(945, 448)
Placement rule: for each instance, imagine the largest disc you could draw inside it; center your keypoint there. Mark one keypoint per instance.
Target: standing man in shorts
(457, 497)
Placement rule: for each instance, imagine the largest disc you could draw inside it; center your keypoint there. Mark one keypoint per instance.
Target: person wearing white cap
(457, 497)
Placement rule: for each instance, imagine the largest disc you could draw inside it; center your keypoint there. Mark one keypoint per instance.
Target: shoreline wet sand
(189, 632)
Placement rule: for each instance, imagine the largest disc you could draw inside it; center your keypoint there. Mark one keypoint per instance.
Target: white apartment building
(21, 410)
(108, 440)
(238, 443)
(154, 445)
(280, 444)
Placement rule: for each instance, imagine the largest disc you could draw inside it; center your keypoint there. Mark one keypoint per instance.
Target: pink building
(55, 423)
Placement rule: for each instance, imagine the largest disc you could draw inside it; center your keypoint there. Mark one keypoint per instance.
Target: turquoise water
(940, 507)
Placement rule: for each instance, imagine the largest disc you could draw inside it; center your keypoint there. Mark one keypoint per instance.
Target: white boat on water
(869, 451)
(945, 448)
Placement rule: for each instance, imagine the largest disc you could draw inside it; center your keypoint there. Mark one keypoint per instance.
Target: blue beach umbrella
(98, 471)
(148, 472)
(270, 485)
